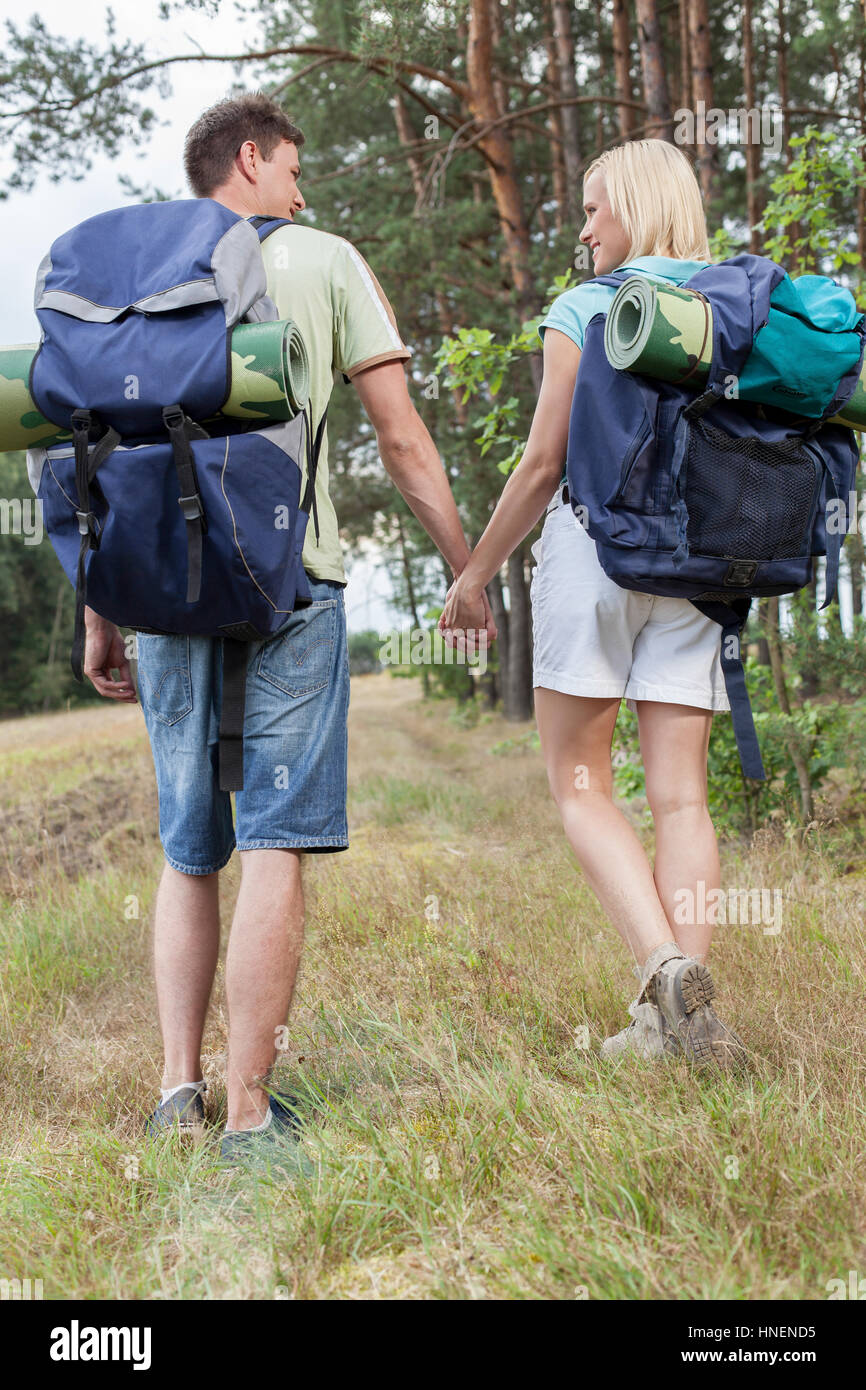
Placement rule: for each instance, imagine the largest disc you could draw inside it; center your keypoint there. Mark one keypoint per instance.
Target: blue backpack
(163, 525)
(705, 497)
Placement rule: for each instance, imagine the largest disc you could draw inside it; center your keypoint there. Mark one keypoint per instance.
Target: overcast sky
(29, 222)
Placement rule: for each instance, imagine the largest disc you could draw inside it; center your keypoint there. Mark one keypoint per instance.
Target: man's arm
(104, 652)
(412, 462)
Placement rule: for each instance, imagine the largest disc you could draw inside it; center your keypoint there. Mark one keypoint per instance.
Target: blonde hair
(656, 198)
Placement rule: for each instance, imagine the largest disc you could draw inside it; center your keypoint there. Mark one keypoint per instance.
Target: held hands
(466, 620)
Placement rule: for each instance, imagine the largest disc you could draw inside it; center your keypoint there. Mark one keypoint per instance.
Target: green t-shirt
(325, 286)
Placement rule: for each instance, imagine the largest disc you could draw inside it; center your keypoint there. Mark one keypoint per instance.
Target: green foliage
(33, 588)
(62, 103)
(817, 645)
(812, 201)
(422, 215)
(832, 736)
(722, 244)
(478, 363)
(528, 742)
(364, 652)
(446, 672)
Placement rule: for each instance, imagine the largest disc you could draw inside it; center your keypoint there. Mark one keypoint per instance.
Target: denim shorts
(295, 739)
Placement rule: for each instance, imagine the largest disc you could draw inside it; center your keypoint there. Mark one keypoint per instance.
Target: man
(243, 153)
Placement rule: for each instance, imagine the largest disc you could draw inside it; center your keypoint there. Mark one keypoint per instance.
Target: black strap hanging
(86, 465)
(231, 728)
(314, 446)
(181, 430)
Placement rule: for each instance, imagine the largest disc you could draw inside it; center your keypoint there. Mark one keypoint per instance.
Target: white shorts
(592, 637)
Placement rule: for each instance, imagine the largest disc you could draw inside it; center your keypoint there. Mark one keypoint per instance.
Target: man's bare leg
(185, 946)
(263, 955)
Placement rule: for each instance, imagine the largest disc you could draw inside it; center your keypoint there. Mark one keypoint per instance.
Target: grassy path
(464, 1139)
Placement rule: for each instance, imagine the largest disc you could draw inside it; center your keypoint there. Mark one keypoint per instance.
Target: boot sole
(702, 1035)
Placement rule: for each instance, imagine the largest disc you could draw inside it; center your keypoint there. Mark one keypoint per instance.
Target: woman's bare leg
(674, 740)
(576, 733)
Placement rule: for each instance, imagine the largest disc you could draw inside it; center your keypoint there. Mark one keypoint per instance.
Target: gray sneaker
(647, 1036)
(681, 989)
(277, 1146)
(183, 1112)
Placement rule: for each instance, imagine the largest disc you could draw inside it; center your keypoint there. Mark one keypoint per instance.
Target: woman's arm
(530, 486)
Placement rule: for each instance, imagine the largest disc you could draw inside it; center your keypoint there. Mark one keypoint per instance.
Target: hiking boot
(276, 1144)
(647, 1036)
(681, 989)
(183, 1112)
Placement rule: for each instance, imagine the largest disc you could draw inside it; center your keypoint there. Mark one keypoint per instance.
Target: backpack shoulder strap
(265, 225)
(615, 277)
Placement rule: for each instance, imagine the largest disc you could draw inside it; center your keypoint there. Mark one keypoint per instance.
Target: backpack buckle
(741, 572)
(87, 526)
(701, 404)
(191, 507)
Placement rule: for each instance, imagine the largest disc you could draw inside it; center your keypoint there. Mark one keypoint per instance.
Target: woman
(596, 643)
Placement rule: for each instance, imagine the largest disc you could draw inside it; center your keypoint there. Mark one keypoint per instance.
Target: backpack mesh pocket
(748, 499)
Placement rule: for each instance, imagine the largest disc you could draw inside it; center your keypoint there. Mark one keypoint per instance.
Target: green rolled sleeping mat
(666, 331)
(270, 380)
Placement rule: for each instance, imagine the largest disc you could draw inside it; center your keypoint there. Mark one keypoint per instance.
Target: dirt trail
(77, 787)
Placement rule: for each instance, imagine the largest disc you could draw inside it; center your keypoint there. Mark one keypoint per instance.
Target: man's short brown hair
(212, 143)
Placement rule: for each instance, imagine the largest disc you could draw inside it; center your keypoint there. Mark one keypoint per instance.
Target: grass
(463, 1139)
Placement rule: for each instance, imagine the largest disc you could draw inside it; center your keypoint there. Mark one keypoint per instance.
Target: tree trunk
(834, 616)
(685, 58)
(797, 266)
(554, 122)
(492, 680)
(601, 107)
(655, 83)
(500, 617)
(410, 591)
(622, 67)
(406, 136)
(563, 37)
(753, 148)
(518, 686)
(777, 662)
(496, 146)
(854, 552)
(861, 107)
(702, 88)
(808, 599)
(761, 634)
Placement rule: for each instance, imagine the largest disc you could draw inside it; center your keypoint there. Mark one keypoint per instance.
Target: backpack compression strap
(86, 465)
(180, 431)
